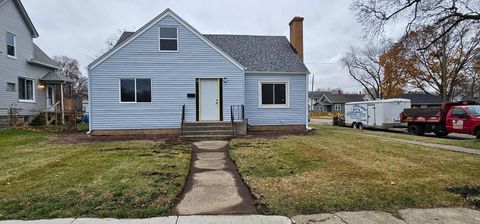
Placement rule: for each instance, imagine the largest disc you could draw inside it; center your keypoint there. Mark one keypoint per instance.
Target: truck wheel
(354, 126)
(415, 130)
(360, 126)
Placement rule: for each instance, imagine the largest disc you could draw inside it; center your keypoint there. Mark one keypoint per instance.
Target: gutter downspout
(306, 102)
(89, 103)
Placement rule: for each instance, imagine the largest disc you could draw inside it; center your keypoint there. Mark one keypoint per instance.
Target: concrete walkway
(434, 145)
(214, 186)
(406, 216)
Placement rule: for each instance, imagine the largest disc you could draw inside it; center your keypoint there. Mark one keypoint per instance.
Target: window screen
(25, 89)
(10, 44)
(144, 91)
(135, 90)
(127, 90)
(168, 39)
(274, 93)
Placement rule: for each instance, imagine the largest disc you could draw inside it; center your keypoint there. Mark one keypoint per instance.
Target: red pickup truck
(452, 117)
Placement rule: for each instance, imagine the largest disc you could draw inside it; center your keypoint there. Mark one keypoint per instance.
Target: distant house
(315, 96)
(422, 100)
(29, 82)
(335, 102)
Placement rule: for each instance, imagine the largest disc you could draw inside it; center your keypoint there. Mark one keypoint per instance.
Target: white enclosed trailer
(375, 114)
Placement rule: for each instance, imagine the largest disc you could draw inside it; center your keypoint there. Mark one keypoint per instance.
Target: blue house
(168, 78)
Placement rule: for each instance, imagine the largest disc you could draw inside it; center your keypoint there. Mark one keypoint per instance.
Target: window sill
(167, 51)
(11, 57)
(26, 101)
(274, 106)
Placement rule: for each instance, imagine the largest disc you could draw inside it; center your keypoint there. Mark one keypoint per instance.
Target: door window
(459, 113)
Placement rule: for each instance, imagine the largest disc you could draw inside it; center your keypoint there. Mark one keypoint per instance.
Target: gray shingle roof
(260, 53)
(344, 98)
(422, 98)
(55, 77)
(125, 35)
(317, 94)
(42, 59)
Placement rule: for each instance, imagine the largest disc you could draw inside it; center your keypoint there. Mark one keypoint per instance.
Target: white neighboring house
(29, 83)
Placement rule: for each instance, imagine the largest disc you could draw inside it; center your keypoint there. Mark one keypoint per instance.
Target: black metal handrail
(183, 119)
(238, 112)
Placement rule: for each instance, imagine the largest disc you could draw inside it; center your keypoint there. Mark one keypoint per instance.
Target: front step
(207, 131)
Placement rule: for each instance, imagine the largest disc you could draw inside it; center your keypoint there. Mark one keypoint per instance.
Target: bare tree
(364, 66)
(442, 69)
(69, 67)
(442, 15)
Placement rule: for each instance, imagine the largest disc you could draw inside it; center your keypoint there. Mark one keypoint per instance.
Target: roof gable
(23, 13)
(150, 24)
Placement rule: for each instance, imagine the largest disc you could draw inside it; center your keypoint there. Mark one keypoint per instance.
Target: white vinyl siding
(173, 77)
(295, 114)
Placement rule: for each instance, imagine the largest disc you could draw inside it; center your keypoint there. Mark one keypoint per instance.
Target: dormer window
(11, 51)
(168, 39)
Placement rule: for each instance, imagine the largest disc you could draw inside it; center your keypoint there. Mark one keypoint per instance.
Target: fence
(17, 117)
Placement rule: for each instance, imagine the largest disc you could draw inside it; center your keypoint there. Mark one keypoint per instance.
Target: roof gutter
(277, 73)
(37, 63)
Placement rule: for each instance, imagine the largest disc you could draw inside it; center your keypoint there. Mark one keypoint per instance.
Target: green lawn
(468, 143)
(334, 170)
(39, 179)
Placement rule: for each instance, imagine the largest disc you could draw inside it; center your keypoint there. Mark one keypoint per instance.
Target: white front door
(209, 100)
(50, 97)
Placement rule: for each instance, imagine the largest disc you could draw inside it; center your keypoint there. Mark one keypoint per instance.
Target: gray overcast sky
(79, 28)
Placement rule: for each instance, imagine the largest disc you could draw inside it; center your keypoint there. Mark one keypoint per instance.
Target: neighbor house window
(135, 90)
(11, 42)
(11, 87)
(168, 39)
(273, 94)
(26, 89)
(338, 107)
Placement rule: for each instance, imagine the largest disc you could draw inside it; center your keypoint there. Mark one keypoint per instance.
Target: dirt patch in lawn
(73, 138)
(470, 193)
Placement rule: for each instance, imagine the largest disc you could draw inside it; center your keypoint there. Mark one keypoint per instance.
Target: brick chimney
(296, 35)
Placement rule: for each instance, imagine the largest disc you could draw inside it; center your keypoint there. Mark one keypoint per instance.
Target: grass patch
(333, 171)
(133, 179)
(468, 143)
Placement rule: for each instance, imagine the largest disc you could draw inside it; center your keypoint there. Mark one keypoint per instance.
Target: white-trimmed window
(168, 38)
(273, 94)
(135, 90)
(338, 107)
(26, 90)
(11, 45)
